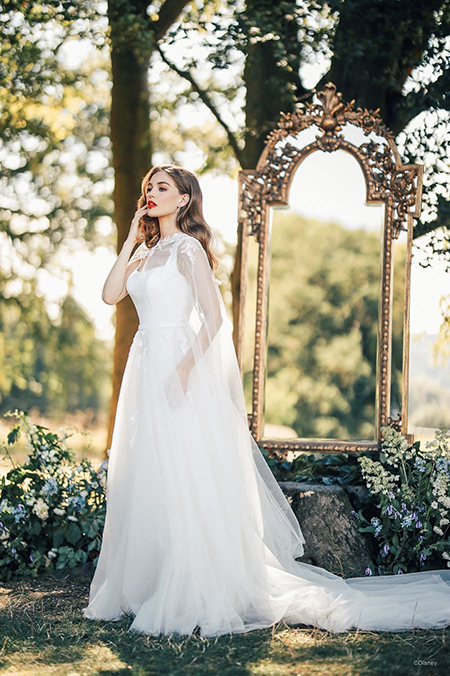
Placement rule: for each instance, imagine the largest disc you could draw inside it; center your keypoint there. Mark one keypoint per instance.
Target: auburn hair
(190, 217)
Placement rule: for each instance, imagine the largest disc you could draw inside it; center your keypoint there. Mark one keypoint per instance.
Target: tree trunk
(130, 134)
(133, 36)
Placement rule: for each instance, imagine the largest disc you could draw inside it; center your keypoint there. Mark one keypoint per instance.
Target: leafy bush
(52, 510)
(409, 516)
(329, 468)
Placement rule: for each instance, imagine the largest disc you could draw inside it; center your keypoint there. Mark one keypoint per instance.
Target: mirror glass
(429, 386)
(249, 322)
(324, 288)
(398, 303)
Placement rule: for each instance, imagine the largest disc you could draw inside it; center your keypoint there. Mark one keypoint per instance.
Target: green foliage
(323, 316)
(327, 468)
(409, 517)
(53, 366)
(54, 145)
(332, 468)
(52, 511)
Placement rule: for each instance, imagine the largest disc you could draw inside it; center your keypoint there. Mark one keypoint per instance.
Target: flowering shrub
(52, 510)
(411, 494)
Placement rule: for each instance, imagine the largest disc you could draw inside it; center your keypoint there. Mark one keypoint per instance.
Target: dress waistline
(156, 325)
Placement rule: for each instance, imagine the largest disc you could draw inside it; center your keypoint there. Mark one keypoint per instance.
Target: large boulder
(329, 527)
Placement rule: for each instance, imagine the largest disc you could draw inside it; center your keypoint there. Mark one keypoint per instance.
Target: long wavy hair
(190, 217)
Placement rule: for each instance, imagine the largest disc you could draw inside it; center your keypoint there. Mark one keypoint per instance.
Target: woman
(198, 532)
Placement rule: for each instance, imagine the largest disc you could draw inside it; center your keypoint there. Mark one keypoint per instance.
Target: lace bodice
(159, 290)
(174, 285)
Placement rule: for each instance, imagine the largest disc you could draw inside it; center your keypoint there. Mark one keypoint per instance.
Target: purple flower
(389, 510)
(404, 507)
(386, 549)
(31, 557)
(391, 495)
(423, 556)
(368, 571)
(420, 538)
(414, 516)
(13, 550)
(399, 572)
(418, 524)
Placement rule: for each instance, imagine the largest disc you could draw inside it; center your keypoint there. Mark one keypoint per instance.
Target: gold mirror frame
(397, 186)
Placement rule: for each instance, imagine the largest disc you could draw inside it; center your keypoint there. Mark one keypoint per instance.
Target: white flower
(40, 508)
(446, 556)
(445, 500)
(438, 530)
(52, 553)
(378, 479)
(30, 498)
(444, 522)
(59, 512)
(5, 506)
(434, 504)
(72, 518)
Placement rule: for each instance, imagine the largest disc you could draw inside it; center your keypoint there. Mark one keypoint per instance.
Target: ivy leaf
(13, 435)
(73, 533)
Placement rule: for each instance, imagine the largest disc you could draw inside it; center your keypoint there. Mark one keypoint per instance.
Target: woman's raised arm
(114, 288)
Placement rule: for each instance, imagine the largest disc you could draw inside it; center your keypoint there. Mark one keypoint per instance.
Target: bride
(198, 533)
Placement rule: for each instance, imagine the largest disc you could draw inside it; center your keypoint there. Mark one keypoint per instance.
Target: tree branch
(207, 101)
(168, 14)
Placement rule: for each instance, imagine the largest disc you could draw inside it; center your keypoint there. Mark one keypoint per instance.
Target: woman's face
(162, 196)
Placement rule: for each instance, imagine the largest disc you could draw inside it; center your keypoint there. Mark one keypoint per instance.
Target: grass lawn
(42, 631)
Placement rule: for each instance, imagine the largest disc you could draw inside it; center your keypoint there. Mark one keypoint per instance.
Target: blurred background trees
(322, 336)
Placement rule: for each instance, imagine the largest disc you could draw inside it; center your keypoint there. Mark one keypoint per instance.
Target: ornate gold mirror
(327, 220)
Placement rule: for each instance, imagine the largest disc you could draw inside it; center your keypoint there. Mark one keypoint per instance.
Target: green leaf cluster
(52, 510)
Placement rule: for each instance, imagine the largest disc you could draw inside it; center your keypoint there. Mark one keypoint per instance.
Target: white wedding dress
(198, 533)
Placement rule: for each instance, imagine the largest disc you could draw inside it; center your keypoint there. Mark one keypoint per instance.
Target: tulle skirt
(199, 534)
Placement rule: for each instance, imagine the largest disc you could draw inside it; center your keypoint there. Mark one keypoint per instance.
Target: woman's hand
(135, 234)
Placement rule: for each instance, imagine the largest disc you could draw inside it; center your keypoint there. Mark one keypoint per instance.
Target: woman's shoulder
(141, 252)
(188, 242)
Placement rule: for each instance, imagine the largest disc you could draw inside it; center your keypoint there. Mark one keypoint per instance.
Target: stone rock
(330, 530)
